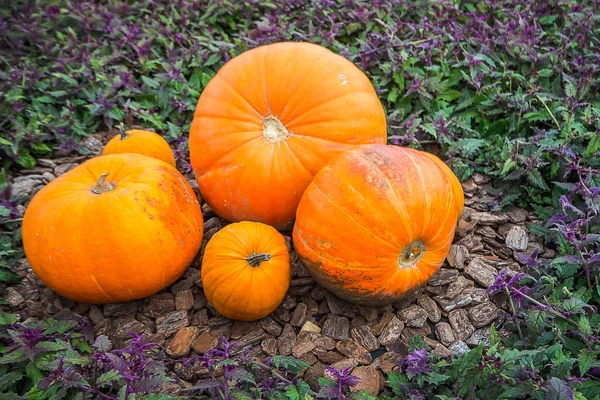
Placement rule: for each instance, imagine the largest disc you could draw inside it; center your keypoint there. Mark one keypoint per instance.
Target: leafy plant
(500, 87)
(10, 235)
(55, 359)
(339, 388)
(234, 374)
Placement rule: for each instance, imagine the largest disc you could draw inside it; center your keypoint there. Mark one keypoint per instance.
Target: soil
(452, 313)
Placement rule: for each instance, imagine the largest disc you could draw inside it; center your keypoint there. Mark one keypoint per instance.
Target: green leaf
(563, 368)
(151, 82)
(396, 381)
(535, 177)
(586, 360)
(67, 78)
(33, 373)
(469, 146)
(292, 393)
(353, 27)
(514, 392)
(584, 323)
(393, 95)
(536, 319)
(40, 147)
(211, 60)
(4, 212)
(590, 389)
(205, 79)
(448, 94)
(25, 159)
(58, 345)
(509, 164)
(362, 395)
(8, 319)
(290, 363)
(13, 356)
(570, 90)
(304, 389)
(593, 146)
(399, 79)
(539, 230)
(436, 378)
(45, 99)
(510, 355)
(241, 375)
(547, 19)
(108, 378)
(10, 378)
(8, 276)
(573, 345)
(237, 394)
(494, 338)
(59, 327)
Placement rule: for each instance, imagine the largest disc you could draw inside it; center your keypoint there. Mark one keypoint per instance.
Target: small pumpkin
(377, 222)
(141, 142)
(269, 120)
(246, 270)
(116, 228)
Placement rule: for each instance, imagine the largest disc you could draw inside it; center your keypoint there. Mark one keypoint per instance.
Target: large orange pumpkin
(116, 228)
(269, 120)
(377, 222)
(141, 142)
(246, 270)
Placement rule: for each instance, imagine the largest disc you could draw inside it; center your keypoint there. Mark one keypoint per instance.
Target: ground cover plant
(503, 88)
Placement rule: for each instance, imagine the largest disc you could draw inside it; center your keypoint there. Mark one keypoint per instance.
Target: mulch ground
(452, 313)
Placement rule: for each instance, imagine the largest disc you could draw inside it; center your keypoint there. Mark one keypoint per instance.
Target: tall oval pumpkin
(116, 228)
(269, 120)
(376, 223)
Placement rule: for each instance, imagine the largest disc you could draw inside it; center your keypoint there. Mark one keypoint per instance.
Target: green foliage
(507, 89)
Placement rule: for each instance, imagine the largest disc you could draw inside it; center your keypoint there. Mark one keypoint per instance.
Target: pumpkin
(377, 222)
(141, 142)
(269, 120)
(246, 270)
(115, 228)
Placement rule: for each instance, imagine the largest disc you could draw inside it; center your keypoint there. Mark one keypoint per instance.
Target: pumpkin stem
(411, 254)
(122, 131)
(273, 130)
(255, 259)
(102, 185)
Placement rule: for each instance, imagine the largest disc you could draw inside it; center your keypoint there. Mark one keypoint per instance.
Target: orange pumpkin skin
(246, 270)
(122, 239)
(377, 222)
(140, 142)
(269, 120)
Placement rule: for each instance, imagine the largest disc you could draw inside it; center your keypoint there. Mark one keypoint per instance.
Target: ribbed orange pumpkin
(141, 142)
(116, 228)
(269, 120)
(246, 270)
(376, 223)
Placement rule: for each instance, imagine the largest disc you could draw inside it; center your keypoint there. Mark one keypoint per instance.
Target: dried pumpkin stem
(255, 259)
(102, 185)
(123, 132)
(273, 130)
(411, 254)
